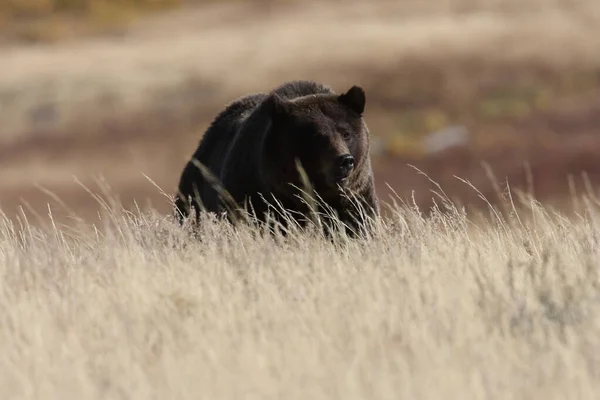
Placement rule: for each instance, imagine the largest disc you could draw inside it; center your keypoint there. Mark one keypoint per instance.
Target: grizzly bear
(249, 156)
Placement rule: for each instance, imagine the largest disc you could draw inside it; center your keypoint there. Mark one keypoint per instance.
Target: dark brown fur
(252, 146)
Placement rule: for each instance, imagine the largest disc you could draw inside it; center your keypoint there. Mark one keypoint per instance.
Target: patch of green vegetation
(404, 146)
(516, 101)
(27, 9)
(50, 20)
(499, 106)
(416, 122)
(500, 101)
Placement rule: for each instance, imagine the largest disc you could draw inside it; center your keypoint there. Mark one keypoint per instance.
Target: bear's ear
(275, 105)
(354, 98)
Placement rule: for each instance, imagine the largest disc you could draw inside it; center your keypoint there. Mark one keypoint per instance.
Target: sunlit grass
(445, 305)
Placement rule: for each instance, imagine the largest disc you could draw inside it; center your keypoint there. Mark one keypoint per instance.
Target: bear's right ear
(275, 105)
(354, 98)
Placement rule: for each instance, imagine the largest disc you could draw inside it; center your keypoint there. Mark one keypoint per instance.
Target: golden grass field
(481, 281)
(493, 306)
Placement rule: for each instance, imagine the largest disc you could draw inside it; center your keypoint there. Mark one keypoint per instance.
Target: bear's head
(325, 132)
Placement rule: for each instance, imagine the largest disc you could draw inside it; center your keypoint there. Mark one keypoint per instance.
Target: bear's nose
(345, 164)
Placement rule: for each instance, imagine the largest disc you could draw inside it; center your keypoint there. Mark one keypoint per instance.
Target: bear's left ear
(354, 99)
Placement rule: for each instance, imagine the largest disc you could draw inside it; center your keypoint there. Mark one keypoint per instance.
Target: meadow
(500, 304)
(481, 280)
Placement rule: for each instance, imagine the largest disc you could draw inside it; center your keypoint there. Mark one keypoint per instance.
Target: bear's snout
(345, 165)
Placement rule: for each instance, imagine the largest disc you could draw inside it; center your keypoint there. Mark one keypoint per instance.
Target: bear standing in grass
(251, 149)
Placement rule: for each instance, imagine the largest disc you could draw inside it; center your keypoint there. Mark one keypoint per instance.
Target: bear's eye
(346, 135)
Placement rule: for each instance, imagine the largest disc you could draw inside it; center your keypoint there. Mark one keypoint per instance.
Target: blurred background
(122, 90)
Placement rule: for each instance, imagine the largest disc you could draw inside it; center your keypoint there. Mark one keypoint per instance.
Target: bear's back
(300, 88)
(211, 152)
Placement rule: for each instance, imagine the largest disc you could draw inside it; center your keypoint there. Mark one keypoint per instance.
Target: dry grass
(436, 307)
(521, 76)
